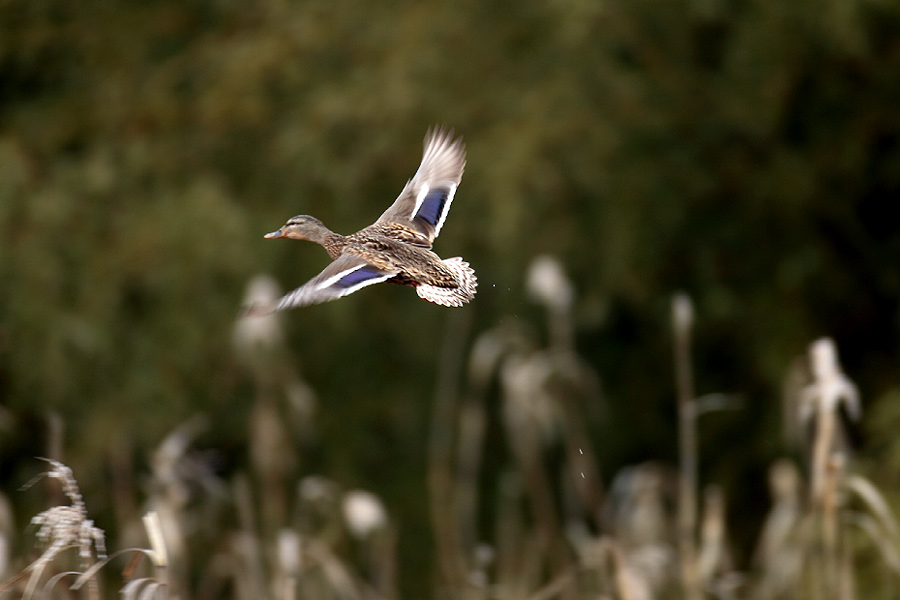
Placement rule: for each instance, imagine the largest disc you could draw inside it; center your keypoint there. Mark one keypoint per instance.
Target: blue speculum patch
(432, 206)
(357, 277)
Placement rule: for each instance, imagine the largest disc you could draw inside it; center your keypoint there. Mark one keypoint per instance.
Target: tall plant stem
(441, 487)
(682, 317)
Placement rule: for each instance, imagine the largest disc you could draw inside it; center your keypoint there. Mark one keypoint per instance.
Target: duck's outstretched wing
(425, 200)
(344, 276)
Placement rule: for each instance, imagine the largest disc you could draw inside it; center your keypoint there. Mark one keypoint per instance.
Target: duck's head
(301, 227)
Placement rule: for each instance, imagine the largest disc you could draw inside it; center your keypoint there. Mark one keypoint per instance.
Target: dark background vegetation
(744, 151)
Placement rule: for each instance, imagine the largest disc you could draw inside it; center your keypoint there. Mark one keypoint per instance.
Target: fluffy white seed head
(547, 283)
(259, 331)
(363, 512)
(824, 360)
(682, 313)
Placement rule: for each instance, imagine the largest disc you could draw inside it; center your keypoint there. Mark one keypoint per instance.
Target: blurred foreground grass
(549, 524)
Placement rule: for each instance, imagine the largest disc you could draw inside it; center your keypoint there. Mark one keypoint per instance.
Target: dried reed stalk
(682, 321)
(442, 491)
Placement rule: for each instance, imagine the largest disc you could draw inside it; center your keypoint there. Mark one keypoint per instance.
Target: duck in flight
(397, 247)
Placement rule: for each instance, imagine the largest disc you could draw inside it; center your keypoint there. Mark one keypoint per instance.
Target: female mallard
(397, 247)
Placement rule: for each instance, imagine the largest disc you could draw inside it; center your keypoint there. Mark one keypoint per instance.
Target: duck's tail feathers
(466, 282)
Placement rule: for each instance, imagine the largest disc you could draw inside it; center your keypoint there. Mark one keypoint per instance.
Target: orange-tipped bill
(274, 234)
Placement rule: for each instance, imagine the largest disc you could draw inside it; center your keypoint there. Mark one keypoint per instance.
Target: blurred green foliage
(746, 151)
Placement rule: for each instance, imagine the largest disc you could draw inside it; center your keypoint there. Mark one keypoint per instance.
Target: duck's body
(397, 247)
